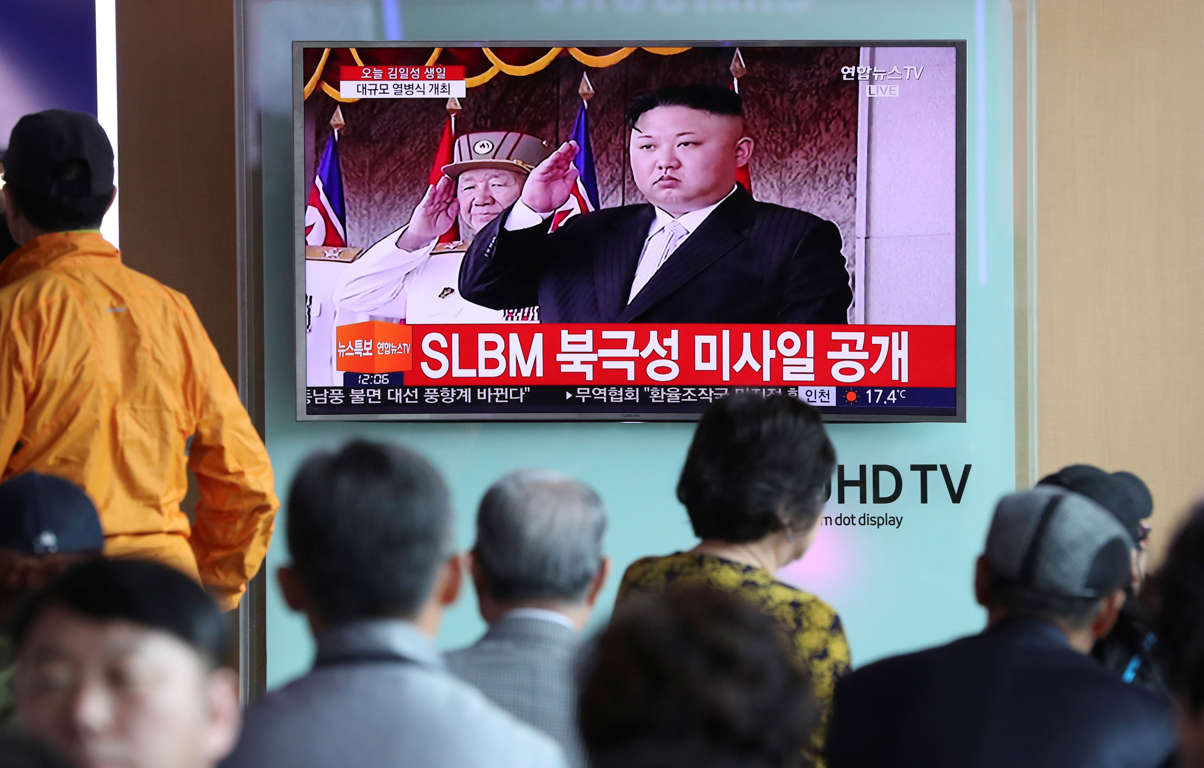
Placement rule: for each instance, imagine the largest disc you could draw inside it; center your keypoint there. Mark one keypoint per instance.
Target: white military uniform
(420, 287)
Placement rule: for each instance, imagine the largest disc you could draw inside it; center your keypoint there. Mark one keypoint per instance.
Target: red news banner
(626, 354)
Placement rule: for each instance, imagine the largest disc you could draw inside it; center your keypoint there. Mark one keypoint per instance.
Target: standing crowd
(114, 646)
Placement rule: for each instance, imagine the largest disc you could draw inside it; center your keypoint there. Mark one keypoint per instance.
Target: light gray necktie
(657, 250)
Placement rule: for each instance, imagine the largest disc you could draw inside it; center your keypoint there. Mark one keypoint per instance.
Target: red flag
(742, 177)
(443, 156)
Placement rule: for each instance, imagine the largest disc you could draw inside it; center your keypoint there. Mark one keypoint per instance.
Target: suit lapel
(715, 237)
(615, 269)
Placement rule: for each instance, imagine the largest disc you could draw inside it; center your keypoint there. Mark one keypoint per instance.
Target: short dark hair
(368, 526)
(141, 592)
(693, 676)
(707, 98)
(1020, 601)
(1179, 586)
(754, 465)
(539, 537)
(61, 214)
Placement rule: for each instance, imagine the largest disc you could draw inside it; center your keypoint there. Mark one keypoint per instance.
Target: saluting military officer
(407, 275)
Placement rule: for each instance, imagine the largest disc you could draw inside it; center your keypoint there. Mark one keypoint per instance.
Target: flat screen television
(562, 231)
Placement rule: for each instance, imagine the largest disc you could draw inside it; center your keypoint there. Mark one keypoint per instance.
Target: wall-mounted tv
(610, 231)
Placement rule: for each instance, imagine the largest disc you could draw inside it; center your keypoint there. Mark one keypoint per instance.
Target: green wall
(896, 589)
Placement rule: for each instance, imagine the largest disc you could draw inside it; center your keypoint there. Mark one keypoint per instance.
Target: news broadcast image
(482, 235)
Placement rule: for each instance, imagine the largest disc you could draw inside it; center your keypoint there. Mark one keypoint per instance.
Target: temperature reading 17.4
(888, 396)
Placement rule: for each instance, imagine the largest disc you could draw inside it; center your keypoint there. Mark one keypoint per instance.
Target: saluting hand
(548, 186)
(434, 215)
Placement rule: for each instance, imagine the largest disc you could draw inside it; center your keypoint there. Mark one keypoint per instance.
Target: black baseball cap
(1121, 493)
(59, 154)
(43, 514)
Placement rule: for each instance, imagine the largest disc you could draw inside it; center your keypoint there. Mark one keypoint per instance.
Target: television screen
(583, 231)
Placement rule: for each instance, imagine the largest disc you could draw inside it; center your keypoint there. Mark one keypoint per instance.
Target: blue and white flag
(325, 212)
(584, 197)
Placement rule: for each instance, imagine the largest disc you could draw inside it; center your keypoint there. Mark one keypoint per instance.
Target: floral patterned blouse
(812, 627)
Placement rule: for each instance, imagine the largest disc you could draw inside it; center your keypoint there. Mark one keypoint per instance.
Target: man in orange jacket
(108, 379)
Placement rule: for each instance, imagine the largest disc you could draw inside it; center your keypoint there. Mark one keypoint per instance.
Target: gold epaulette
(332, 253)
(457, 247)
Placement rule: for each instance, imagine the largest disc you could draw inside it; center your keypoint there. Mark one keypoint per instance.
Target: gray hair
(539, 536)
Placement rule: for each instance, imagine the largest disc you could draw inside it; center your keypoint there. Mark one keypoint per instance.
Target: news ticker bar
(386, 394)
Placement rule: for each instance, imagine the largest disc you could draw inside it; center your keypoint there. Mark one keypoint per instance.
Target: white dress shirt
(663, 238)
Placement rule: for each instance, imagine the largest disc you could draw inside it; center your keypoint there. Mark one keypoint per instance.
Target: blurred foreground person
(693, 677)
(20, 750)
(538, 567)
(370, 536)
(1131, 647)
(754, 484)
(108, 379)
(1180, 584)
(47, 525)
(119, 665)
(1024, 692)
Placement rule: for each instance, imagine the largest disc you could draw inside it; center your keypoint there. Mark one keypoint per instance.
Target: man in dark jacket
(1131, 647)
(701, 251)
(1025, 691)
